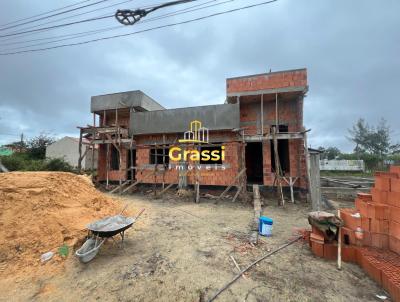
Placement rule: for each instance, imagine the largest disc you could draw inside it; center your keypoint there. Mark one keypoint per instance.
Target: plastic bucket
(265, 226)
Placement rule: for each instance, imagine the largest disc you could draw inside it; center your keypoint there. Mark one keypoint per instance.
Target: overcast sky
(350, 48)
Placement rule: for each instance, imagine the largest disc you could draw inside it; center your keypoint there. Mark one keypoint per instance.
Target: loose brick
(377, 211)
(349, 221)
(348, 237)
(349, 254)
(379, 196)
(382, 183)
(317, 248)
(380, 226)
(371, 269)
(394, 229)
(394, 213)
(380, 241)
(365, 223)
(361, 206)
(330, 251)
(364, 196)
(394, 244)
(395, 170)
(395, 185)
(394, 199)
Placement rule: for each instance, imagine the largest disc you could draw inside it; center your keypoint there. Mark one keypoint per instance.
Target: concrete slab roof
(131, 99)
(213, 117)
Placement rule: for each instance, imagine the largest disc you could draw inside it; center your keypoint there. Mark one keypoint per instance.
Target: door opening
(254, 163)
(283, 152)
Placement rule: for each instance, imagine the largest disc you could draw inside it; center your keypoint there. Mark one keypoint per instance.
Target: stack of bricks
(371, 232)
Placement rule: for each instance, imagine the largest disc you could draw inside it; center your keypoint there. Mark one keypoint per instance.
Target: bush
(23, 162)
(57, 164)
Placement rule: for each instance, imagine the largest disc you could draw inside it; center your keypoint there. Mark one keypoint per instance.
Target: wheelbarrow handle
(140, 213)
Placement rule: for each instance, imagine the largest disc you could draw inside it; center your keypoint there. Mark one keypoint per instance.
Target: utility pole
(21, 145)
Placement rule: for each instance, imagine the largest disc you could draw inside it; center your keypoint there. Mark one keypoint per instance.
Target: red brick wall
(271, 80)
(207, 177)
(290, 113)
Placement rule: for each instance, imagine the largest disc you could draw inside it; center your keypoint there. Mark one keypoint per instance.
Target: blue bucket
(265, 226)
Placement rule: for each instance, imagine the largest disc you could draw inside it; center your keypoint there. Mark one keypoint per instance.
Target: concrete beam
(136, 99)
(300, 89)
(213, 117)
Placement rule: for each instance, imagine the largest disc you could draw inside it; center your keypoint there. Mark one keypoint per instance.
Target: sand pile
(41, 211)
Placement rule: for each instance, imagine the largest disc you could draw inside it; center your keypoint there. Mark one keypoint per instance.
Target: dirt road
(180, 251)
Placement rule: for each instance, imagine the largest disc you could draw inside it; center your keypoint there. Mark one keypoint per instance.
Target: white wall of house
(68, 149)
(341, 165)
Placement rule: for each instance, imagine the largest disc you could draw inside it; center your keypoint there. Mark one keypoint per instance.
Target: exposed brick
(394, 213)
(349, 254)
(394, 229)
(377, 211)
(380, 226)
(382, 183)
(394, 199)
(379, 196)
(364, 196)
(348, 236)
(395, 185)
(361, 206)
(365, 223)
(395, 170)
(394, 244)
(330, 251)
(317, 248)
(349, 221)
(380, 241)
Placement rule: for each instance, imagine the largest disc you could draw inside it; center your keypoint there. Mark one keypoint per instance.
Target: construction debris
(370, 235)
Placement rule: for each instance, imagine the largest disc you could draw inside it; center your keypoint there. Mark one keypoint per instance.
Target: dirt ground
(180, 251)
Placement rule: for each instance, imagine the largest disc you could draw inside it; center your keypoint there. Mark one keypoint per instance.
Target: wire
(29, 30)
(57, 26)
(141, 31)
(98, 31)
(45, 13)
(53, 15)
(73, 16)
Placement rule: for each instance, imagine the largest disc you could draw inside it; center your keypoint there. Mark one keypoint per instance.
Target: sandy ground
(180, 252)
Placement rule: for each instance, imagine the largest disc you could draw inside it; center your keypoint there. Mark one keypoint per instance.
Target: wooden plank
(165, 189)
(138, 182)
(233, 183)
(119, 187)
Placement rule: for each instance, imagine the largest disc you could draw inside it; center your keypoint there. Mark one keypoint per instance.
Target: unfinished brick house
(135, 135)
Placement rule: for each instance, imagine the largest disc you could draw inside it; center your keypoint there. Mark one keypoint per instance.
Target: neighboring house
(341, 165)
(67, 148)
(5, 151)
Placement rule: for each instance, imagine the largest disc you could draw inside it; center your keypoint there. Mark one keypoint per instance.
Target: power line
(53, 15)
(45, 13)
(142, 31)
(57, 26)
(72, 16)
(98, 31)
(17, 33)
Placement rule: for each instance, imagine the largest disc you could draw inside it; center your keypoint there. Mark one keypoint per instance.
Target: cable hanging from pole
(130, 17)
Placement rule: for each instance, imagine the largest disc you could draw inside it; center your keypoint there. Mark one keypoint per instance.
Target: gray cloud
(349, 47)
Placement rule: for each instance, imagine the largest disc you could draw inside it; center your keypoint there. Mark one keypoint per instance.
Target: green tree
(371, 140)
(37, 146)
(330, 152)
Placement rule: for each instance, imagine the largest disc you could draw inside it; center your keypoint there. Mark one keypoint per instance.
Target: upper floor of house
(253, 103)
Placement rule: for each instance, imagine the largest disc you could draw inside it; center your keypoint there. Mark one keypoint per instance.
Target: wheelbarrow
(99, 231)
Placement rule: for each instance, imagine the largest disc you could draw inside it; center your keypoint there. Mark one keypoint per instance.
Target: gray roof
(213, 117)
(131, 99)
